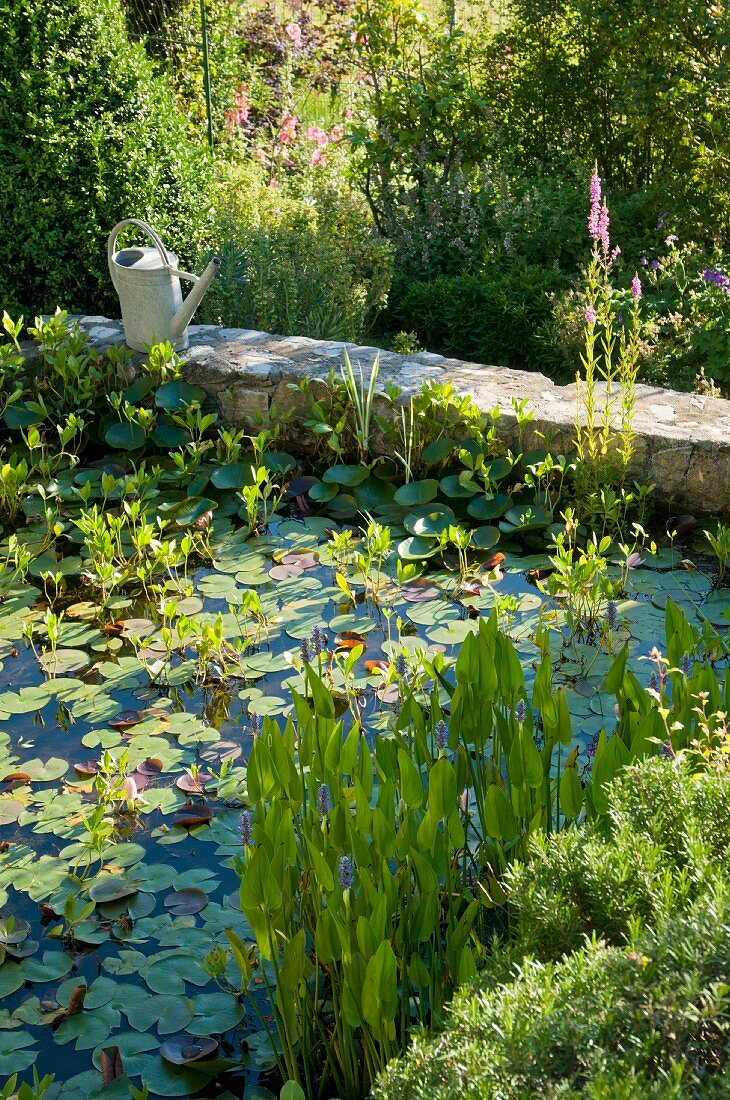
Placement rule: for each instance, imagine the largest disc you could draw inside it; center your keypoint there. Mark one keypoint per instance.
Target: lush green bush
(646, 1015)
(88, 135)
(501, 315)
(637, 1005)
(668, 835)
(299, 258)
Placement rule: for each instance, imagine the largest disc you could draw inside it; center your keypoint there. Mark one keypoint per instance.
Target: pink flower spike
(636, 287)
(603, 228)
(590, 315)
(595, 189)
(615, 252)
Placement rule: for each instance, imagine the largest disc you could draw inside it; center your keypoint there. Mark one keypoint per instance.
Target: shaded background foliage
(88, 135)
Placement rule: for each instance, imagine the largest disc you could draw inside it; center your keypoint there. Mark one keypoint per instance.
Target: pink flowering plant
(604, 432)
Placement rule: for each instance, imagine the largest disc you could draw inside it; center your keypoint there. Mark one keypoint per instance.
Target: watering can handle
(149, 231)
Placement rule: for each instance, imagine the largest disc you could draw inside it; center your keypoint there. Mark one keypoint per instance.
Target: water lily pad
(185, 1049)
(489, 507)
(416, 548)
(345, 475)
(233, 475)
(178, 394)
(15, 1055)
(186, 902)
(415, 493)
(111, 888)
(429, 520)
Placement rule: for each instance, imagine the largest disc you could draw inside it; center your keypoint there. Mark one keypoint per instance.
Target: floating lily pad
(186, 902)
(185, 1049)
(416, 493)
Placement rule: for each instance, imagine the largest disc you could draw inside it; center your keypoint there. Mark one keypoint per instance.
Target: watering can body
(147, 281)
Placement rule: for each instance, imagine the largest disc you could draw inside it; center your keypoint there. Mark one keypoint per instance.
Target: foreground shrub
(644, 1015)
(639, 1015)
(666, 834)
(88, 135)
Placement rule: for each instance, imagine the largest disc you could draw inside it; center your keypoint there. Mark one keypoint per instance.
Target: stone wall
(682, 442)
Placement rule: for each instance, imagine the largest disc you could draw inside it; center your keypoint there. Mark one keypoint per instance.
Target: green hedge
(502, 316)
(88, 135)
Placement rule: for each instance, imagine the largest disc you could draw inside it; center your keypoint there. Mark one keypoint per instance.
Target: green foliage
(88, 136)
(665, 837)
(501, 314)
(645, 1013)
(641, 89)
(300, 262)
(426, 110)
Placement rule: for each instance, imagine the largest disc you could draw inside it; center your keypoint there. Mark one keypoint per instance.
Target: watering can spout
(182, 318)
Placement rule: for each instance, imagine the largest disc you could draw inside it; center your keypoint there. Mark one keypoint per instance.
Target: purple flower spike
(636, 287)
(323, 800)
(603, 221)
(319, 641)
(655, 265)
(256, 724)
(442, 733)
(346, 873)
(590, 315)
(611, 615)
(684, 664)
(401, 665)
(521, 711)
(246, 830)
(304, 651)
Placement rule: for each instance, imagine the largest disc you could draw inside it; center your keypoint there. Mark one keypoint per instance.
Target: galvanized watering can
(147, 281)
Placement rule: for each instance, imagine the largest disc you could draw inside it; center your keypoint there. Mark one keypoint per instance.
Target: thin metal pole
(206, 72)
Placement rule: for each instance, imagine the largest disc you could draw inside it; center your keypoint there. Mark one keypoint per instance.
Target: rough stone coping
(682, 444)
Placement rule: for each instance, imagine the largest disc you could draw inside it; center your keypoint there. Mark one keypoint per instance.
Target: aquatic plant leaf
(186, 902)
(185, 1049)
(416, 492)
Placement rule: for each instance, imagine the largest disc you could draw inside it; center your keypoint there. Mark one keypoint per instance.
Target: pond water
(167, 892)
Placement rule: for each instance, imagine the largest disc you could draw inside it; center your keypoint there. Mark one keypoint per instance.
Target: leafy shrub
(304, 262)
(669, 833)
(502, 316)
(645, 1014)
(88, 135)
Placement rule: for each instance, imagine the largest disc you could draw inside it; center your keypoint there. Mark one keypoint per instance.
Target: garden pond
(145, 914)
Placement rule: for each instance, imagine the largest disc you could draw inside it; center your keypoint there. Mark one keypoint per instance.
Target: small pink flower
(634, 560)
(288, 131)
(636, 287)
(359, 39)
(294, 33)
(348, 112)
(318, 136)
(590, 315)
(273, 184)
(318, 158)
(204, 521)
(261, 156)
(464, 800)
(336, 133)
(615, 252)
